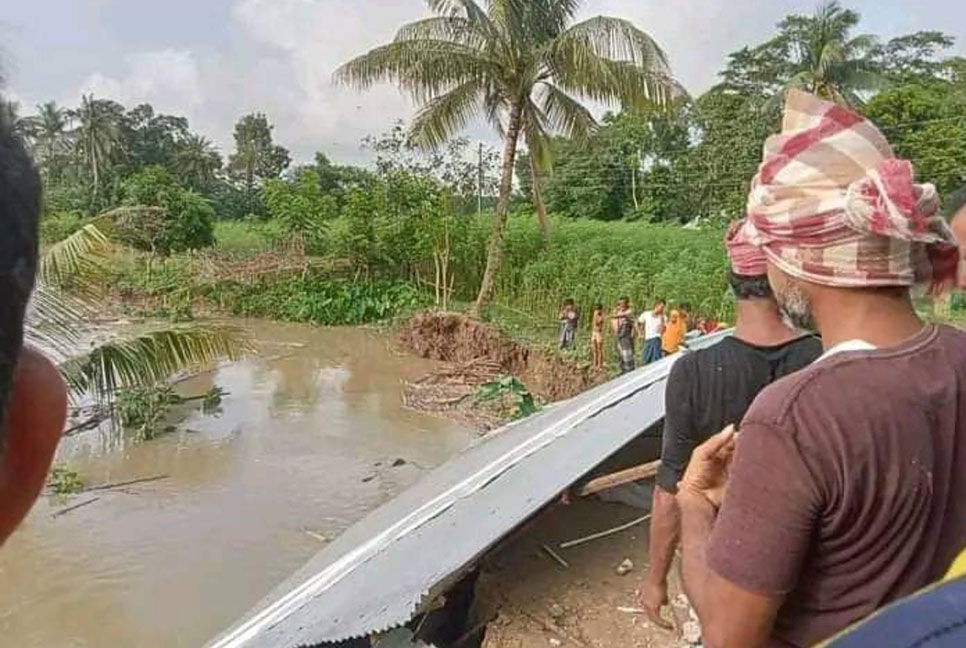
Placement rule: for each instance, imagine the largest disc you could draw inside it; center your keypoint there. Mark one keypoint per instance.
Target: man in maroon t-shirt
(845, 488)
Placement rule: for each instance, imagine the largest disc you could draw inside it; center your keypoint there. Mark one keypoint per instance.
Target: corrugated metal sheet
(377, 574)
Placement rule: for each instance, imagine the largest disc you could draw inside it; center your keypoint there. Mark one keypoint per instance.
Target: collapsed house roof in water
(378, 574)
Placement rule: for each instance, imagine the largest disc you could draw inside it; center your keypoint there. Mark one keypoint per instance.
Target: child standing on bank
(597, 336)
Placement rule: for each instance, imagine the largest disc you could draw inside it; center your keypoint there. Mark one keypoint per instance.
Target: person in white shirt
(650, 326)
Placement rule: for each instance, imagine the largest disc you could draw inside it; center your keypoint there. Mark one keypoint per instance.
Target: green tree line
(696, 159)
(414, 214)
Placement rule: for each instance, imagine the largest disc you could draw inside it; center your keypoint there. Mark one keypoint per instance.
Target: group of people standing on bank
(660, 331)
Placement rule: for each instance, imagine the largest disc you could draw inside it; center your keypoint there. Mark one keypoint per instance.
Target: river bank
(475, 354)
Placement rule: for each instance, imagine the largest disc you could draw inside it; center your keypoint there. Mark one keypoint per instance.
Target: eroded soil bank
(475, 353)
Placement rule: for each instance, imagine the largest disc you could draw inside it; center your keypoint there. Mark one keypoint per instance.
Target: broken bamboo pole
(613, 480)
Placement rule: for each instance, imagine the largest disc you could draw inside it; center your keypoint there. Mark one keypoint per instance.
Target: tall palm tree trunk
(494, 256)
(538, 203)
(97, 181)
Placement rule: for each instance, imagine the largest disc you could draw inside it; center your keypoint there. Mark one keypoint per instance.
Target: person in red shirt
(842, 488)
(33, 398)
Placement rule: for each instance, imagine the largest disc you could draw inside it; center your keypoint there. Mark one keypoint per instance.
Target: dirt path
(538, 602)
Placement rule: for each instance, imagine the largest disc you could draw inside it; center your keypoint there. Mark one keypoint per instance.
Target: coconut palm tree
(49, 130)
(524, 66)
(826, 59)
(98, 136)
(198, 161)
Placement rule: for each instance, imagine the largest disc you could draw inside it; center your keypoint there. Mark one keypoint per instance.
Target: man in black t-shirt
(709, 390)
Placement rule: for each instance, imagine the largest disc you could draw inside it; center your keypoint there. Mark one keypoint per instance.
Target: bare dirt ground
(538, 602)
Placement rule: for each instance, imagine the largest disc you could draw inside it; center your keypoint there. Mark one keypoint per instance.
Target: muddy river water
(304, 446)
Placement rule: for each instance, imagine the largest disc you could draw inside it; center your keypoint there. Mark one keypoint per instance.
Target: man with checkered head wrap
(843, 487)
(712, 388)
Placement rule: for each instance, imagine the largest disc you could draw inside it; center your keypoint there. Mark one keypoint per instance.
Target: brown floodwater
(303, 447)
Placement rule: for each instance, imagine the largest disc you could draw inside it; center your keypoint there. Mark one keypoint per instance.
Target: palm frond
(422, 68)
(566, 115)
(76, 259)
(611, 38)
(607, 81)
(55, 320)
(149, 358)
(829, 57)
(468, 8)
(538, 143)
(444, 116)
(454, 29)
(494, 104)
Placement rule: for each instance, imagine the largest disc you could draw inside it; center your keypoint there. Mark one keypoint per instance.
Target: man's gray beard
(796, 308)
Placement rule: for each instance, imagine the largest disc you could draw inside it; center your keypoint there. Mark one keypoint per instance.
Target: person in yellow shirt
(674, 332)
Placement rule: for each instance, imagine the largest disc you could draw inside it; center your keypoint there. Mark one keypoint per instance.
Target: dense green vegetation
(318, 300)
(251, 234)
(697, 160)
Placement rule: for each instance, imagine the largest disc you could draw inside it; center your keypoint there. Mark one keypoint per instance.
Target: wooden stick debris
(553, 554)
(143, 480)
(64, 511)
(604, 534)
(613, 480)
(317, 536)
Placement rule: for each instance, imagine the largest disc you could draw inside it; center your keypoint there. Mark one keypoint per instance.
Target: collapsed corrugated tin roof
(377, 574)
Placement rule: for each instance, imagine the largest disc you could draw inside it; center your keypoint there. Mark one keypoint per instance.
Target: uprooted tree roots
(477, 353)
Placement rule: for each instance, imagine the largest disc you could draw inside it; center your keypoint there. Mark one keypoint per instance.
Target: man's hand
(707, 472)
(654, 598)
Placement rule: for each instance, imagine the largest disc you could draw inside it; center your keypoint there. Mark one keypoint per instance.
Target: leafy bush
(56, 226)
(317, 299)
(299, 206)
(64, 481)
(185, 223)
(143, 409)
(510, 388)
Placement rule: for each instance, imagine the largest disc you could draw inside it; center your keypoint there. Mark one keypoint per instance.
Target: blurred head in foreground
(32, 393)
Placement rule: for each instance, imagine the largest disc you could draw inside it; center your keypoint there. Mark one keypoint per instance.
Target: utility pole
(479, 183)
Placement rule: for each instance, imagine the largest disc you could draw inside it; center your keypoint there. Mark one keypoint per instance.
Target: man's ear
(35, 421)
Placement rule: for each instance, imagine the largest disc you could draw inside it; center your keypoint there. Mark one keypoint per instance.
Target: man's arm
(678, 441)
(663, 540)
(731, 617)
(740, 562)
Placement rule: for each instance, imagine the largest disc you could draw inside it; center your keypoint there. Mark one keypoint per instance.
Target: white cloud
(314, 39)
(168, 79)
(278, 56)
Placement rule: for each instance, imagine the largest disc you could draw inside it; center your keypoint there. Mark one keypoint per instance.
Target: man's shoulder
(775, 401)
(820, 384)
(808, 344)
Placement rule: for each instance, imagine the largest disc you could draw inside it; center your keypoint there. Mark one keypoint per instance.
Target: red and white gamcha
(832, 205)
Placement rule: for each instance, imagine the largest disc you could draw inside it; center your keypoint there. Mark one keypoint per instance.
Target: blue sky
(214, 60)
